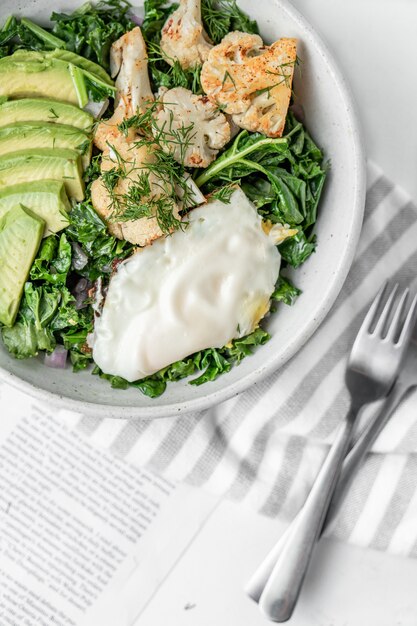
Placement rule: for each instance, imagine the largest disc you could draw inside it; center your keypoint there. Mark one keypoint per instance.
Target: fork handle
(281, 592)
(376, 424)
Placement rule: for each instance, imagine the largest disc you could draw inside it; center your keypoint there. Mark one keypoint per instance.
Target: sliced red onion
(98, 296)
(136, 19)
(58, 358)
(298, 111)
(196, 196)
(96, 109)
(80, 301)
(79, 257)
(80, 292)
(82, 286)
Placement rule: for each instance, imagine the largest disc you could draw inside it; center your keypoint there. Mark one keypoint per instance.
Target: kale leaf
(285, 291)
(92, 28)
(209, 363)
(284, 177)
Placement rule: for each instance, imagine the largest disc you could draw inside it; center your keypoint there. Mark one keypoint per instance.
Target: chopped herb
(224, 193)
(223, 16)
(228, 77)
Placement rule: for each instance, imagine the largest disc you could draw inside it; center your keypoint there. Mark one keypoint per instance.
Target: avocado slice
(44, 163)
(68, 56)
(28, 73)
(20, 235)
(38, 77)
(42, 110)
(28, 135)
(46, 198)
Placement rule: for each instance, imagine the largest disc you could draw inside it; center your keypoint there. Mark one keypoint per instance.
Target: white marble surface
(345, 586)
(375, 43)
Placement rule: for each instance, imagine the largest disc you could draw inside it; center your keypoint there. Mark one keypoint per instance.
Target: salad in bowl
(157, 185)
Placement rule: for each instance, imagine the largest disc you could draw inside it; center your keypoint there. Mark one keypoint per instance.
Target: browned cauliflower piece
(251, 81)
(129, 62)
(183, 36)
(135, 161)
(190, 127)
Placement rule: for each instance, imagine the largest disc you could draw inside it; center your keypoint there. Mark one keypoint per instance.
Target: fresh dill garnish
(228, 77)
(175, 140)
(172, 74)
(111, 177)
(283, 76)
(158, 186)
(53, 115)
(84, 146)
(225, 193)
(223, 16)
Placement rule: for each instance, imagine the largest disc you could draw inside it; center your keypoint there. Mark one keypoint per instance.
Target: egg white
(198, 288)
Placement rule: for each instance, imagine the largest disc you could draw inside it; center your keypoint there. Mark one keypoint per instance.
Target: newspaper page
(74, 522)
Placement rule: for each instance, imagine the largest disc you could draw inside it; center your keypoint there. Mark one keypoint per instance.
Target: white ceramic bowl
(331, 119)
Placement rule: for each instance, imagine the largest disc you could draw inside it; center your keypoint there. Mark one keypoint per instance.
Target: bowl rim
(273, 363)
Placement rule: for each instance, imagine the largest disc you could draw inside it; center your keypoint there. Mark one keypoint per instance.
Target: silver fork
(405, 386)
(372, 368)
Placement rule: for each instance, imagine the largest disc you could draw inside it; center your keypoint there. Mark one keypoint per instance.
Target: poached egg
(198, 288)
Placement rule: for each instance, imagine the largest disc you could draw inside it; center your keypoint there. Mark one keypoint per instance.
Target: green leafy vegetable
(224, 16)
(297, 249)
(31, 333)
(53, 261)
(15, 35)
(284, 177)
(211, 363)
(48, 314)
(92, 28)
(49, 40)
(103, 250)
(7, 34)
(285, 291)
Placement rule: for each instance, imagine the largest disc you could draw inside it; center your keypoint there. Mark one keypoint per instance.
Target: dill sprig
(158, 186)
(172, 74)
(224, 194)
(223, 16)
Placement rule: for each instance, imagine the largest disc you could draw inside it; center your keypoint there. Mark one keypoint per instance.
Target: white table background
(375, 42)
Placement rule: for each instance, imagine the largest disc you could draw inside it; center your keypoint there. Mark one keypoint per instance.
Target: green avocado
(41, 110)
(48, 78)
(28, 135)
(46, 198)
(20, 235)
(68, 56)
(29, 73)
(44, 164)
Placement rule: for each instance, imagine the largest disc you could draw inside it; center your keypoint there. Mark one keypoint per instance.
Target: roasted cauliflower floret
(190, 127)
(251, 81)
(183, 36)
(135, 162)
(129, 161)
(129, 62)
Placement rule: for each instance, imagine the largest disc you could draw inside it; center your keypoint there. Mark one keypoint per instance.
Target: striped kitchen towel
(265, 446)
